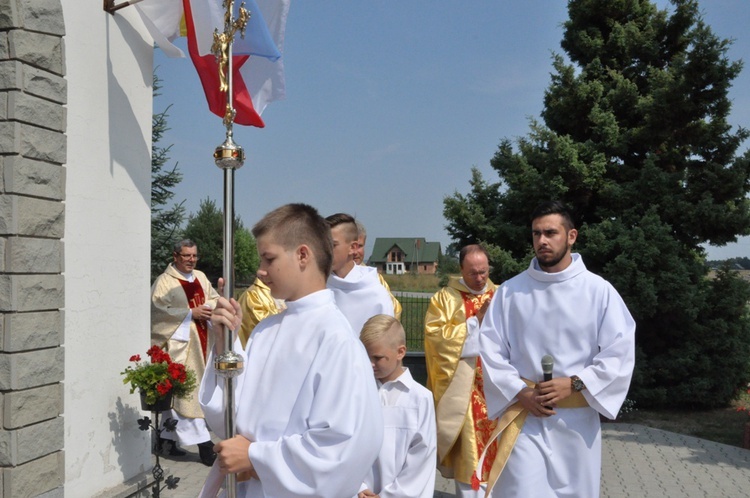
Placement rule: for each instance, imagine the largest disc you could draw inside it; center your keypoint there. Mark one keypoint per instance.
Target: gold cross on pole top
(222, 49)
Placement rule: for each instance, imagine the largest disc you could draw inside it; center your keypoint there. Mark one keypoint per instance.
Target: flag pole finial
(228, 154)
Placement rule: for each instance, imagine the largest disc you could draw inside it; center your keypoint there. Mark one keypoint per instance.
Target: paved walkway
(637, 461)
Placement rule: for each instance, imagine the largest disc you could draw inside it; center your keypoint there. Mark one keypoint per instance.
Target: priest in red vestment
(182, 299)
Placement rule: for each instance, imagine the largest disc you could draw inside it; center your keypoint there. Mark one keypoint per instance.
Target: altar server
(405, 467)
(308, 418)
(356, 289)
(550, 429)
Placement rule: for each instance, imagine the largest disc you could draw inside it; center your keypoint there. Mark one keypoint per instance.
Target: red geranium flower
(177, 371)
(164, 387)
(135, 357)
(158, 355)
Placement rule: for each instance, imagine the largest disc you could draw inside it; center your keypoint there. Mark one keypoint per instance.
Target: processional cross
(229, 157)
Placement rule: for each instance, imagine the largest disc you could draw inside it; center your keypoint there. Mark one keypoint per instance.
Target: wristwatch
(577, 384)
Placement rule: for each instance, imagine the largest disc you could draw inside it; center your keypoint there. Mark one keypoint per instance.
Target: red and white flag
(258, 71)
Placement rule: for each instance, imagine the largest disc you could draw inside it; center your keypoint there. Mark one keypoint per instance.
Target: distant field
(413, 283)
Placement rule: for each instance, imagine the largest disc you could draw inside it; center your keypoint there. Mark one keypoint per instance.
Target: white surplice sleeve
(607, 379)
(211, 391)
(471, 344)
(343, 436)
(183, 331)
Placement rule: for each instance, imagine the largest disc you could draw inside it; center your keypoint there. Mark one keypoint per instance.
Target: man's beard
(556, 258)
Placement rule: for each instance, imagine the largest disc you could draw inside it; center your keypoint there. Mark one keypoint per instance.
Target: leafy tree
(165, 221)
(246, 259)
(206, 229)
(447, 265)
(636, 141)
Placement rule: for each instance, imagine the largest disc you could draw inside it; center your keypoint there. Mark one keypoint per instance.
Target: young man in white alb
(307, 411)
(556, 307)
(356, 288)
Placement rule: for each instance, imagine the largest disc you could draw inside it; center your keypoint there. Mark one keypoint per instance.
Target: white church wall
(109, 64)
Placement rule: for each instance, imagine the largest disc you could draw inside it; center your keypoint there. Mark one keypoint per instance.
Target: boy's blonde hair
(383, 327)
(292, 225)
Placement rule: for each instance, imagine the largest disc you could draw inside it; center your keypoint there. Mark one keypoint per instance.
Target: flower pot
(161, 404)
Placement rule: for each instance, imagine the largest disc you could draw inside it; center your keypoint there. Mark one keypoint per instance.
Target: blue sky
(389, 105)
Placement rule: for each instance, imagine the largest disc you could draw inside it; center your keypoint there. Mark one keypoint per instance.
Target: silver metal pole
(229, 364)
(229, 423)
(229, 157)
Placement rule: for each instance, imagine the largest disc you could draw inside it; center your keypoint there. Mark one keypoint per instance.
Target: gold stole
(451, 410)
(465, 393)
(509, 428)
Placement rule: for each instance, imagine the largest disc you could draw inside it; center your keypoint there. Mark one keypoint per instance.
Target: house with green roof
(395, 256)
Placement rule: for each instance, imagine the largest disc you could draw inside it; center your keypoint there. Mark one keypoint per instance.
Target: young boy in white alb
(307, 413)
(405, 467)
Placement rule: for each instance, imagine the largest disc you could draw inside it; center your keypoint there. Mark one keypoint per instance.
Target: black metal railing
(414, 307)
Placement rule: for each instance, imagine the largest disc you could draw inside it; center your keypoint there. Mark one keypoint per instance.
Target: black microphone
(547, 363)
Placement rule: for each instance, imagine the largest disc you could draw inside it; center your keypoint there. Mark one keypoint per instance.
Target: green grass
(412, 318)
(413, 283)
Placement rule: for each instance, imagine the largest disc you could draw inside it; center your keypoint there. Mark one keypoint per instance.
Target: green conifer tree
(165, 221)
(206, 229)
(636, 141)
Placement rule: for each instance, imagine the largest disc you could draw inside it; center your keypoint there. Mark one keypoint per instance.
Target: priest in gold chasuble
(455, 372)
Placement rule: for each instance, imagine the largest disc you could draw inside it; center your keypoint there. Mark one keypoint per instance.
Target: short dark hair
(294, 224)
(554, 207)
(471, 249)
(177, 249)
(350, 225)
